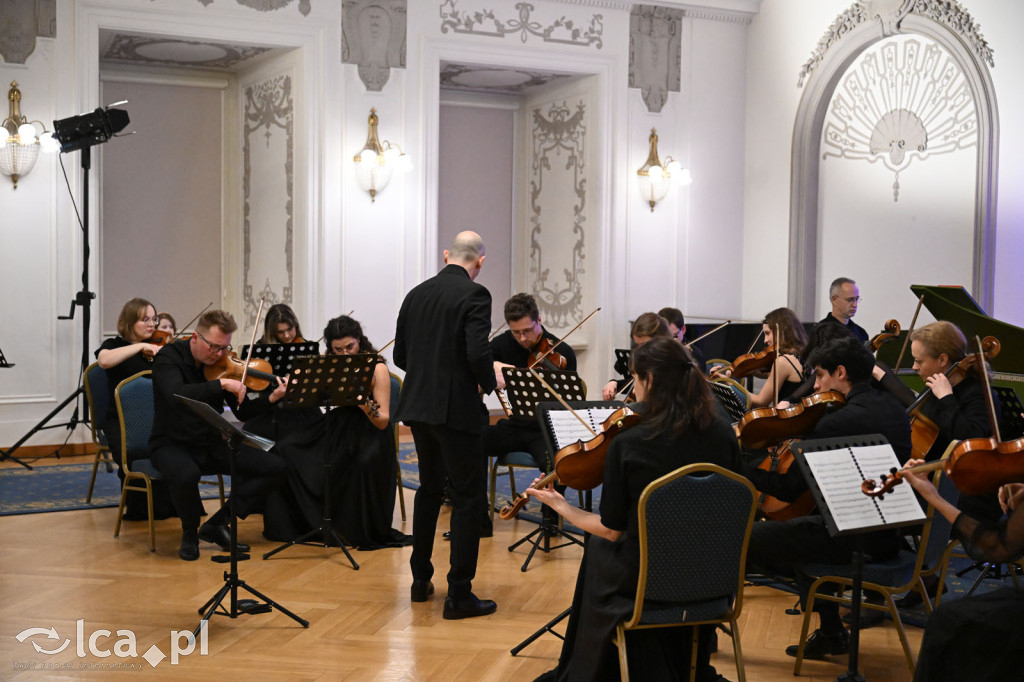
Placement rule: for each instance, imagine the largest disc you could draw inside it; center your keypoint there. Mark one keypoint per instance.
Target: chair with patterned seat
(694, 526)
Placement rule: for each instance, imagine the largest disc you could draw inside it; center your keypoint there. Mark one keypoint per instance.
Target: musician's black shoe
(189, 550)
(467, 607)
(219, 535)
(869, 618)
(820, 645)
(421, 590)
(486, 532)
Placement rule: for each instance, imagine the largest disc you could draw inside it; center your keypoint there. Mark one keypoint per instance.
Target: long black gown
(606, 585)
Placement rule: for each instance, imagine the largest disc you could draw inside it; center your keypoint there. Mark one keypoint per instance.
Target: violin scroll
(890, 331)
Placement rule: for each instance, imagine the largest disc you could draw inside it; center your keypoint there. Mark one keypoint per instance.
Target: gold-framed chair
(396, 395)
(694, 526)
(134, 400)
(96, 386)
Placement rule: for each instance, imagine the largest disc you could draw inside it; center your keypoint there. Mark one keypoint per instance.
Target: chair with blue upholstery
(890, 578)
(396, 395)
(134, 400)
(96, 397)
(694, 526)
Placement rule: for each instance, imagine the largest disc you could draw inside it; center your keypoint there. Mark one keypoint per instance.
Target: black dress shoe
(421, 590)
(820, 644)
(189, 550)
(468, 607)
(220, 536)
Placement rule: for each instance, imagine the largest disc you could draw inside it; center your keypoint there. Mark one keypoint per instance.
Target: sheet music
(567, 429)
(839, 474)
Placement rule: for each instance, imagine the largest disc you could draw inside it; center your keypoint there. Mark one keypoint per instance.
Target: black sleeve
(478, 326)
(614, 491)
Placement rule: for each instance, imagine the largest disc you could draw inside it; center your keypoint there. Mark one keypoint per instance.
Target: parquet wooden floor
(60, 567)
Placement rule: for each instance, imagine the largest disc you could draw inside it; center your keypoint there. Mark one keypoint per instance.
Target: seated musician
(678, 427)
(677, 328)
(123, 356)
(844, 295)
(281, 325)
(787, 365)
(513, 348)
(165, 323)
(183, 446)
(645, 327)
(842, 365)
(977, 638)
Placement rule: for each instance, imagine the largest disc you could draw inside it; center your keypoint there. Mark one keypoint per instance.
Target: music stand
(235, 438)
(282, 356)
(834, 472)
(524, 391)
(327, 381)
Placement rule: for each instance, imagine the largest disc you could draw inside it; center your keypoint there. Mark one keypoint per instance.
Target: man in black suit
(183, 446)
(844, 296)
(441, 343)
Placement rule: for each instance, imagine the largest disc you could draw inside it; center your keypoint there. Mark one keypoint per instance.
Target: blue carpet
(62, 487)
(503, 494)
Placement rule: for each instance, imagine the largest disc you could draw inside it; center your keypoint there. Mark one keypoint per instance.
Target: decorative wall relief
(890, 12)
(21, 22)
(558, 212)
(373, 37)
(268, 173)
(138, 49)
(655, 48)
(266, 5)
(904, 99)
(563, 30)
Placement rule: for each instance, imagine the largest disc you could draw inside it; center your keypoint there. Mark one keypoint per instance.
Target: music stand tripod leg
(547, 627)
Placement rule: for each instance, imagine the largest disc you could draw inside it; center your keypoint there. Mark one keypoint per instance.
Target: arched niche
(860, 27)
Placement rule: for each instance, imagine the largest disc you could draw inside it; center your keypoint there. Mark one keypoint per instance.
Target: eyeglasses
(523, 333)
(852, 299)
(214, 348)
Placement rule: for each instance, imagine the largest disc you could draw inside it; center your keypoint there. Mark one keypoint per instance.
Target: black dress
(135, 504)
(606, 585)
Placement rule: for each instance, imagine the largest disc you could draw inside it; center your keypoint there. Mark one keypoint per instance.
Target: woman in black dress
(678, 427)
(123, 356)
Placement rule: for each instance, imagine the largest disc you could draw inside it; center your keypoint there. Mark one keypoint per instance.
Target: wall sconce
(656, 179)
(20, 141)
(376, 162)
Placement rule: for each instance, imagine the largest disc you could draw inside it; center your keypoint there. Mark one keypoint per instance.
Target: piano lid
(955, 304)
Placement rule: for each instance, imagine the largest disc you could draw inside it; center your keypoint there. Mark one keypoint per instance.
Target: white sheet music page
(839, 474)
(567, 429)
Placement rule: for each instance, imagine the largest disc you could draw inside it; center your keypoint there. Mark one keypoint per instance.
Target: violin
(544, 355)
(773, 508)
(580, 465)
(764, 426)
(257, 372)
(890, 331)
(749, 363)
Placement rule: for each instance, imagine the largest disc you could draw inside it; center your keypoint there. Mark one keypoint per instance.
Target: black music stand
(524, 391)
(235, 438)
(327, 381)
(282, 356)
(848, 511)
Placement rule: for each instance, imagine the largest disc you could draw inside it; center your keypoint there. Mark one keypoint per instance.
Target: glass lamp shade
(17, 160)
(654, 184)
(373, 172)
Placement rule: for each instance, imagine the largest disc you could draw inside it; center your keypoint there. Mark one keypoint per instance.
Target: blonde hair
(650, 324)
(133, 311)
(942, 337)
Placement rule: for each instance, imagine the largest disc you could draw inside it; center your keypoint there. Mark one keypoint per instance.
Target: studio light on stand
(21, 140)
(656, 179)
(377, 162)
(78, 133)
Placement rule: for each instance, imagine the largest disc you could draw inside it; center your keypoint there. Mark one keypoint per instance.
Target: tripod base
(547, 627)
(240, 606)
(540, 538)
(326, 534)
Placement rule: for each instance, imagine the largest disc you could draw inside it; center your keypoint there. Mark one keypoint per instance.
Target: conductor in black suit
(441, 343)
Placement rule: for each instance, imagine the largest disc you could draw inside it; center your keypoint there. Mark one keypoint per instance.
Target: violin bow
(754, 342)
(252, 343)
(181, 333)
(992, 420)
(910, 331)
(495, 332)
(385, 346)
(708, 333)
(348, 314)
(775, 365)
(561, 400)
(555, 345)
(626, 389)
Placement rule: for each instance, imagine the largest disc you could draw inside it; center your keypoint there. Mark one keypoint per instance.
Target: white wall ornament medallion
(373, 37)
(903, 100)
(557, 200)
(268, 174)
(266, 5)
(563, 30)
(21, 22)
(655, 48)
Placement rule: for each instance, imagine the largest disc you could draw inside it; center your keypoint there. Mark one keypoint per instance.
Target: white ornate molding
(24, 22)
(563, 30)
(655, 45)
(373, 37)
(890, 14)
(725, 16)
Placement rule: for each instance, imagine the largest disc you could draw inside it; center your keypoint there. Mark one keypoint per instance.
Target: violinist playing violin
(184, 447)
(645, 327)
(678, 427)
(165, 323)
(977, 638)
(787, 365)
(842, 365)
(516, 347)
(281, 325)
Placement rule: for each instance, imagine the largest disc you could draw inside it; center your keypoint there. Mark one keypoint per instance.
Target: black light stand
(78, 133)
